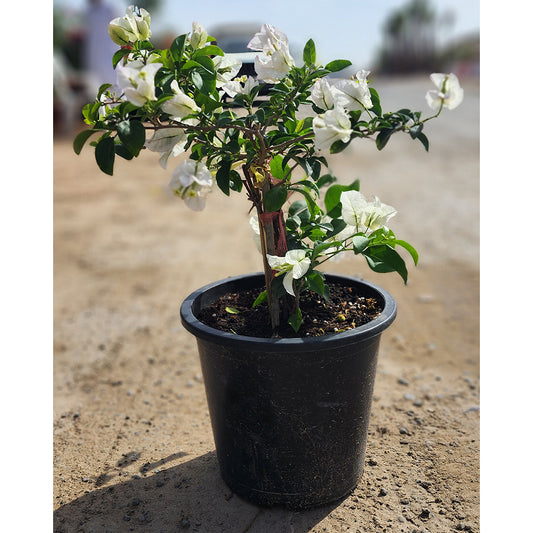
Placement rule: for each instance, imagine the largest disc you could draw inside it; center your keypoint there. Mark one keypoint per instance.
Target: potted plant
(288, 355)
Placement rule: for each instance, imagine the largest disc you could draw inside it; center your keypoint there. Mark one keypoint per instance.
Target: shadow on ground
(188, 497)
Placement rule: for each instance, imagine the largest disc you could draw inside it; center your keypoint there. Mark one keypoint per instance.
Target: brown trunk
(272, 233)
(273, 242)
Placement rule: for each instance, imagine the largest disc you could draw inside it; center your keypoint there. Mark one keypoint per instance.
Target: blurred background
(390, 37)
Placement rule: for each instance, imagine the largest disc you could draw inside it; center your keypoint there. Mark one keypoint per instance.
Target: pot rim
(200, 330)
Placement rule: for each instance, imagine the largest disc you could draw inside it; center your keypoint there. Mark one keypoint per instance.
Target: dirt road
(133, 449)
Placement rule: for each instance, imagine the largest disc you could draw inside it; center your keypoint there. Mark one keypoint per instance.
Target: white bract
(254, 224)
(169, 142)
(333, 125)
(449, 92)
(268, 39)
(141, 58)
(275, 62)
(180, 105)
(353, 94)
(192, 181)
(241, 85)
(138, 84)
(294, 265)
(273, 67)
(227, 67)
(363, 215)
(198, 36)
(130, 28)
(324, 95)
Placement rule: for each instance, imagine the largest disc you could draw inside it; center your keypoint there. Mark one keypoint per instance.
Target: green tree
(410, 39)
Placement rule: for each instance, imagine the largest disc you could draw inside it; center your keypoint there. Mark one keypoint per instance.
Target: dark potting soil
(346, 309)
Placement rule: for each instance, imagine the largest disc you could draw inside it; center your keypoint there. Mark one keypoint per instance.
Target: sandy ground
(133, 449)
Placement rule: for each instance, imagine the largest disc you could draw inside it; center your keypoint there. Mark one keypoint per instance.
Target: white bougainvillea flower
(268, 39)
(275, 62)
(449, 92)
(273, 67)
(192, 181)
(324, 95)
(363, 215)
(138, 83)
(180, 105)
(353, 94)
(131, 27)
(331, 126)
(294, 265)
(227, 67)
(379, 214)
(254, 224)
(198, 36)
(241, 85)
(169, 142)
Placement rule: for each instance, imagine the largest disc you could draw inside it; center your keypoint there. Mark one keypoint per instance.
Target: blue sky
(350, 29)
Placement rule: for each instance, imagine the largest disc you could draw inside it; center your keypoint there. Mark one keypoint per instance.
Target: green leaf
(333, 197)
(306, 183)
(297, 207)
(177, 47)
(338, 146)
(312, 206)
(315, 282)
(295, 320)
(338, 225)
(326, 179)
(232, 310)
(376, 104)
(223, 176)
(210, 50)
(209, 102)
(102, 89)
(309, 54)
(260, 299)
(410, 249)
(322, 247)
(383, 138)
(360, 242)
(320, 73)
(81, 139)
(105, 155)
(424, 140)
(277, 288)
(337, 65)
(118, 55)
(278, 169)
(190, 65)
(416, 130)
(132, 134)
(123, 152)
(197, 80)
(275, 198)
(125, 108)
(206, 71)
(164, 79)
(382, 258)
(235, 181)
(225, 118)
(90, 112)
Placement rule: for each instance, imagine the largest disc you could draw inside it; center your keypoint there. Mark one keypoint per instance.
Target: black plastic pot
(290, 416)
